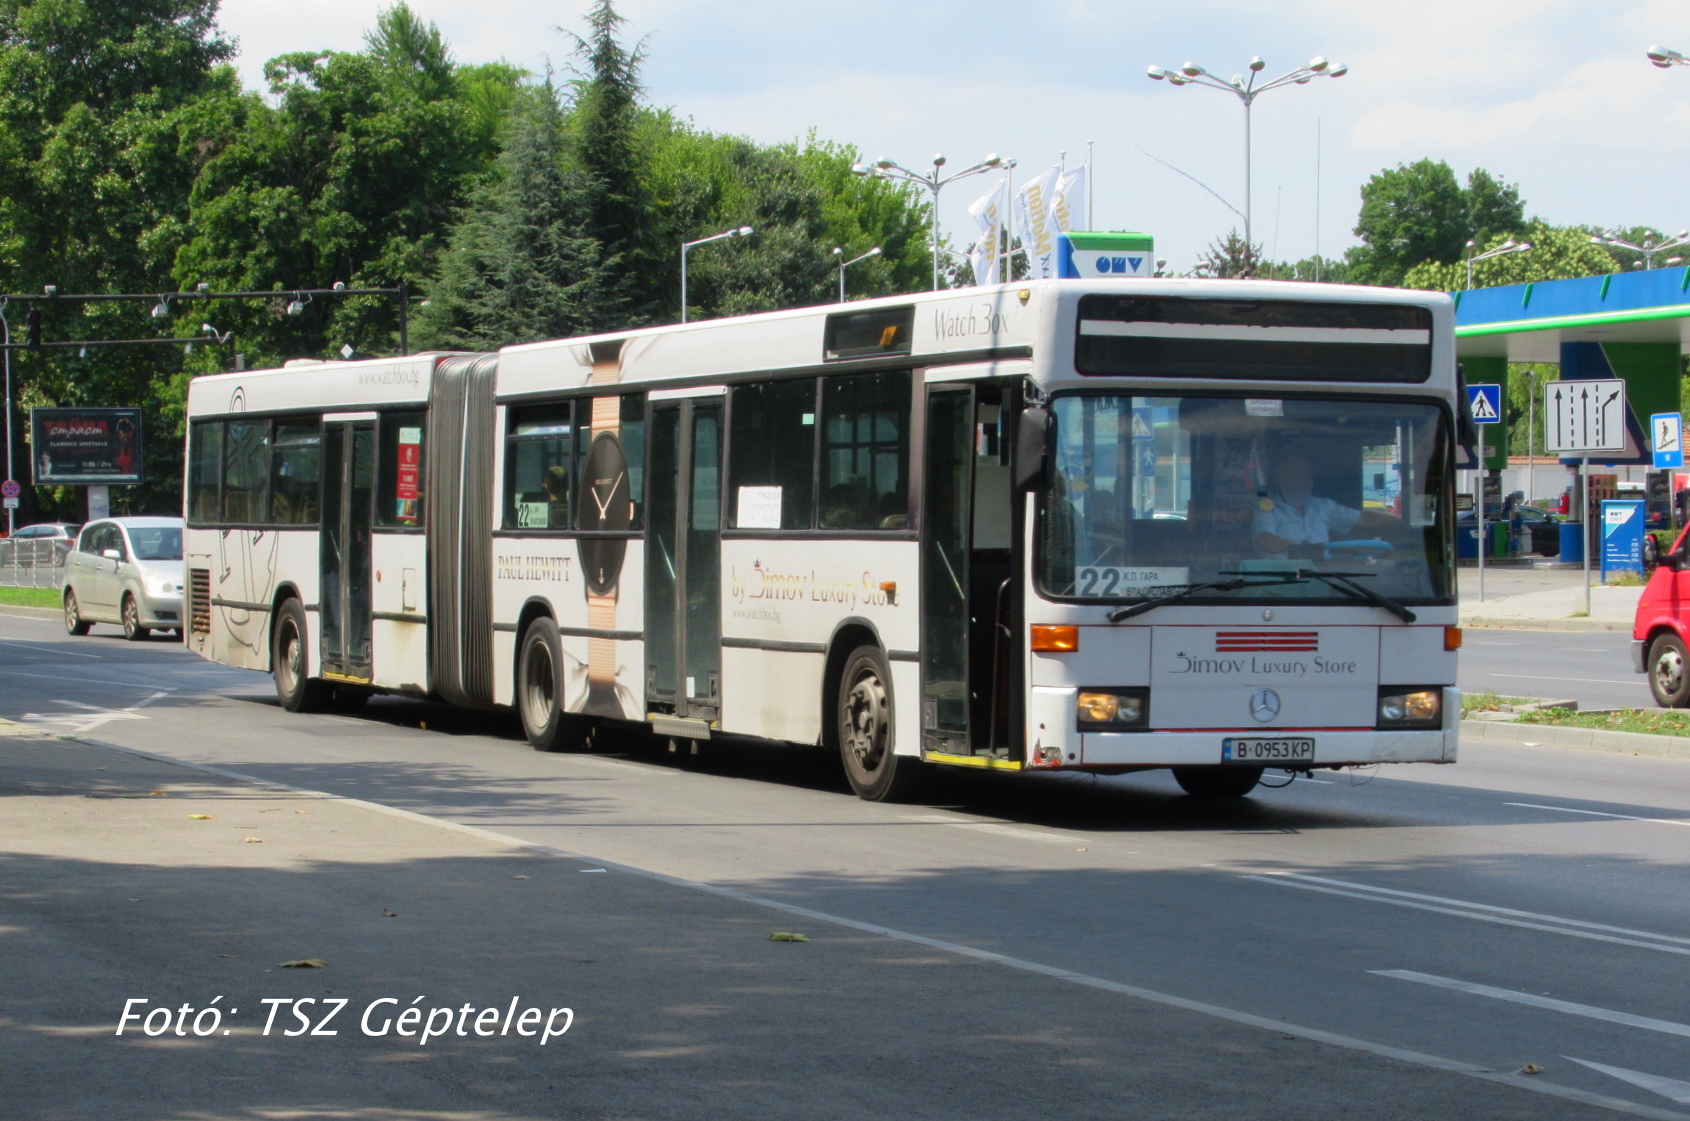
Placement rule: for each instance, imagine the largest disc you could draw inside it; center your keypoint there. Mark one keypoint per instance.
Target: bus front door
(349, 462)
(945, 546)
(683, 559)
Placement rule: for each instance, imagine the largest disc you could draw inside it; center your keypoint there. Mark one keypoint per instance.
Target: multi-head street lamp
(935, 181)
(1650, 249)
(1246, 89)
(1507, 247)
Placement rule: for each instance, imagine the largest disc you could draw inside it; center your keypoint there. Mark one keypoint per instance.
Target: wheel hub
(1669, 672)
(863, 723)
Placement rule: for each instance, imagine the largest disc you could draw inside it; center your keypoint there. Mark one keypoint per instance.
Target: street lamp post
(1665, 58)
(934, 182)
(6, 330)
(1507, 247)
(1246, 90)
(742, 231)
(844, 264)
(1650, 249)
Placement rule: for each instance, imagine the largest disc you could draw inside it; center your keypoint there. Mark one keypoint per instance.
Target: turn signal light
(1056, 640)
(1452, 638)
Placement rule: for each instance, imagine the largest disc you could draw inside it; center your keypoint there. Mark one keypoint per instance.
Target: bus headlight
(1410, 707)
(1112, 710)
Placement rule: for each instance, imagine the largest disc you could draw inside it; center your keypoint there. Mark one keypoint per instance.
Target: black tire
(1217, 781)
(1669, 672)
(539, 692)
(862, 731)
(75, 624)
(290, 661)
(131, 615)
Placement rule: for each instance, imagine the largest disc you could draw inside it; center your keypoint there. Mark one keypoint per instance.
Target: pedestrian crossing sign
(1485, 403)
(1667, 437)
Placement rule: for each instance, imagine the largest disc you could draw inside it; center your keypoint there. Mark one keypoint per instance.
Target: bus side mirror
(1032, 441)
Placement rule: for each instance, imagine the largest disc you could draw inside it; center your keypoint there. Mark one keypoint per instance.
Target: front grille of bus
(199, 600)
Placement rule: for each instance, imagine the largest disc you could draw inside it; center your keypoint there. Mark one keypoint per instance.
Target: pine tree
(519, 267)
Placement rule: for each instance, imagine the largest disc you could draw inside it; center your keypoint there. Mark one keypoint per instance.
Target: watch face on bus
(604, 505)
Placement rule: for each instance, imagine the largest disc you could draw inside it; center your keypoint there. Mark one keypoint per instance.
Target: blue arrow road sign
(1485, 403)
(1666, 437)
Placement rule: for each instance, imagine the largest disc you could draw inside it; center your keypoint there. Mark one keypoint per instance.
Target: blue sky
(1552, 94)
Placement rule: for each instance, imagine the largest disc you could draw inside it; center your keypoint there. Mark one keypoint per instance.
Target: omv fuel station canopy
(1634, 326)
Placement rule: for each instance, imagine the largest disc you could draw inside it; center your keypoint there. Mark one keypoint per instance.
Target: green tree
(1228, 258)
(1557, 253)
(96, 97)
(519, 267)
(1420, 213)
(354, 175)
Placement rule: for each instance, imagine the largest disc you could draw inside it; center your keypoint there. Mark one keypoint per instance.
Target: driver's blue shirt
(1316, 523)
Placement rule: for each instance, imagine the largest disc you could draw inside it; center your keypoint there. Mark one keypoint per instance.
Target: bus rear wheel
(539, 691)
(290, 661)
(862, 730)
(1217, 781)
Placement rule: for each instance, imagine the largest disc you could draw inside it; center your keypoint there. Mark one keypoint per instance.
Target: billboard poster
(91, 446)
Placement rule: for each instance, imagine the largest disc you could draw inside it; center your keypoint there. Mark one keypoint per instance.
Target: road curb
(1608, 625)
(1579, 739)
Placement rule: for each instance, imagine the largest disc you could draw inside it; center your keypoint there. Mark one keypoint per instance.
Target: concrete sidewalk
(1554, 609)
(123, 877)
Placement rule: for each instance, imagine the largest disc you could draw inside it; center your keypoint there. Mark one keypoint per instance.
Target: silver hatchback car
(126, 571)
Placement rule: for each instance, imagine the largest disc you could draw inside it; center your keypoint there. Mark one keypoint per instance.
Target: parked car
(38, 546)
(126, 571)
(1660, 631)
(57, 531)
(1540, 524)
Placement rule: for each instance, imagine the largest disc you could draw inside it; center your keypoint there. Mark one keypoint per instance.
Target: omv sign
(1088, 255)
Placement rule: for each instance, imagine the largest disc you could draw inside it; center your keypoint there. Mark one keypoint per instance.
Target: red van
(1660, 633)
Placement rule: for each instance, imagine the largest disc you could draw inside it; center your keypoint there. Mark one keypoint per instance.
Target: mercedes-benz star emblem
(1264, 705)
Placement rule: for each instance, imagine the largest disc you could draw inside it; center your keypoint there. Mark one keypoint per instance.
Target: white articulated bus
(1102, 525)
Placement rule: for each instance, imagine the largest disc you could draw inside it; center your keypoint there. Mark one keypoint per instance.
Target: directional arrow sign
(1485, 403)
(1584, 415)
(1666, 431)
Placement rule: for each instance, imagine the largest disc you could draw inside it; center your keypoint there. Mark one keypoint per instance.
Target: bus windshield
(1148, 496)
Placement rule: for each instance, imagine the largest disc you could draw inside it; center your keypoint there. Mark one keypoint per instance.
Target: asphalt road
(1528, 906)
(1591, 667)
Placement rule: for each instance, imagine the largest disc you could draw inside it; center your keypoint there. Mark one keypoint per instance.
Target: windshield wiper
(1346, 582)
(1122, 613)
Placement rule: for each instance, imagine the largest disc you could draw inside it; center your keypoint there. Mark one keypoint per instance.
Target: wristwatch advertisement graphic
(605, 503)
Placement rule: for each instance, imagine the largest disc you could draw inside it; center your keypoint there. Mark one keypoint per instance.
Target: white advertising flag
(988, 213)
(1069, 206)
(1033, 223)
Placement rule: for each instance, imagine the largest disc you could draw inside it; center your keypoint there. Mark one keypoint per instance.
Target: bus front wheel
(862, 730)
(1217, 781)
(290, 661)
(539, 691)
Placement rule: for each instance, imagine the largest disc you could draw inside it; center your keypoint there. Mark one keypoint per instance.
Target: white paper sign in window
(759, 508)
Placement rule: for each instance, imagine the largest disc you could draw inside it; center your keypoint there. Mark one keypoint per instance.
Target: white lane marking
(1549, 677)
(81, 724)
(998, 830)
(1670, 1088)
(1599, 813)
(1591, 1012)
(1486, 907)
(1321, 781)
(1476, 912)
(32, 644)
(80, 679)
(1247, 1019)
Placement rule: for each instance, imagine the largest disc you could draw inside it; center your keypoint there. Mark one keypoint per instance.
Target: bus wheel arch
(859, 718)
(290, 658)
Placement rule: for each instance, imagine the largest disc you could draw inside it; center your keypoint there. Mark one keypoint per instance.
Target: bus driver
(1294, 515)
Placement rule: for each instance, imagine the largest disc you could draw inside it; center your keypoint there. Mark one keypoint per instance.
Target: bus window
(295, 471)
(204, 471)
(246, 471)
(771, 455)
(631, 432)
(865, 444)
(539, 445)
(399, 501)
